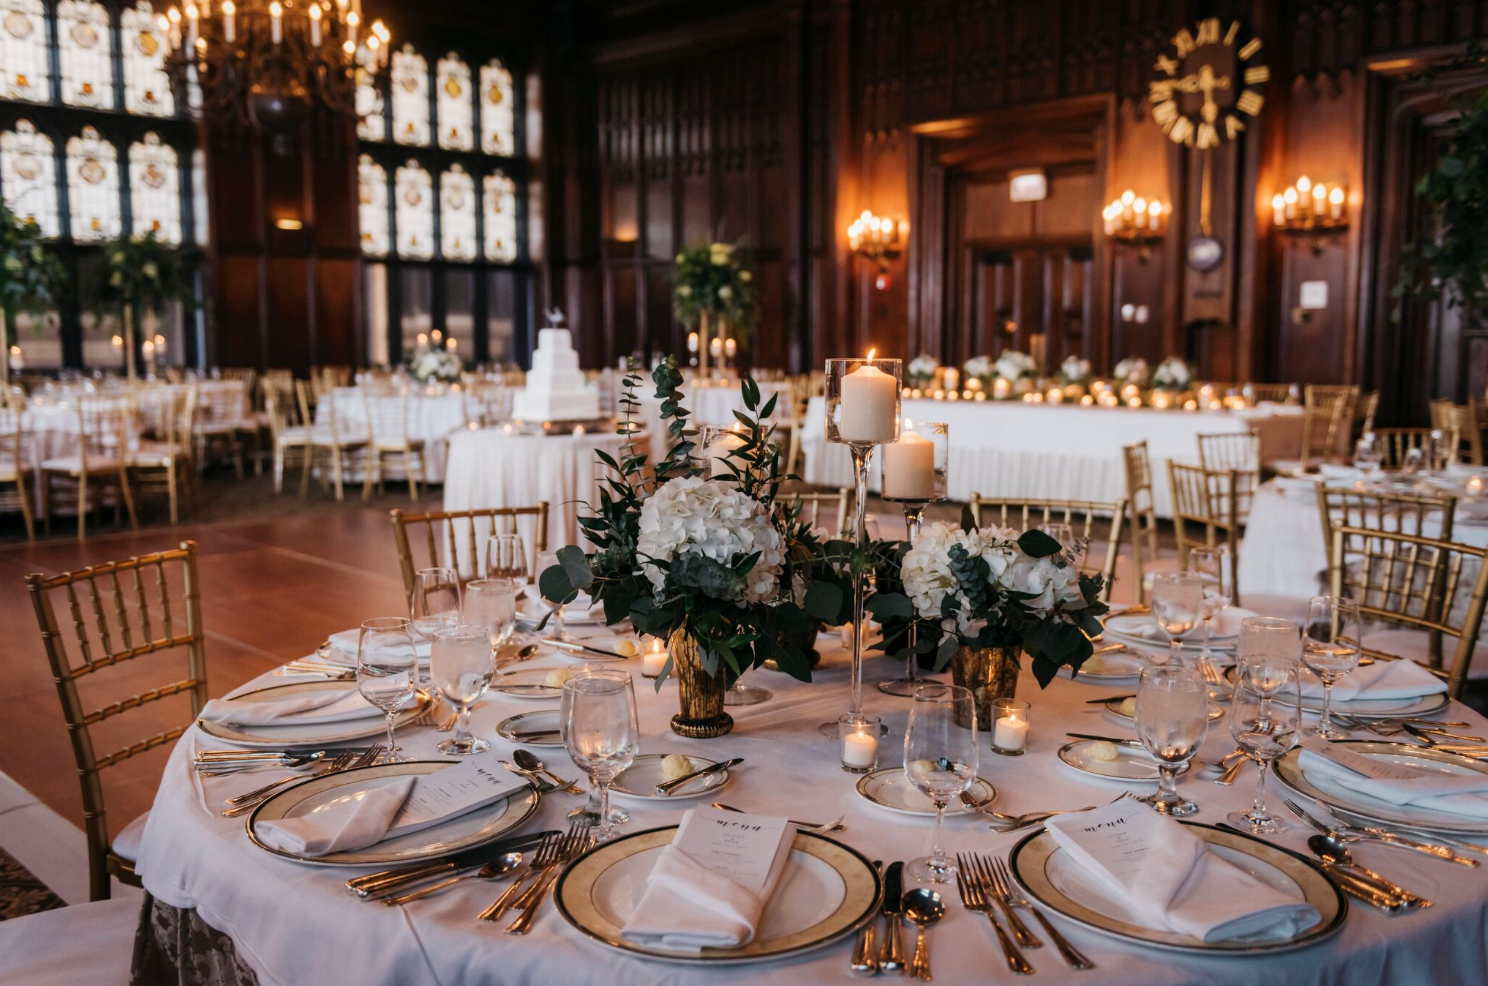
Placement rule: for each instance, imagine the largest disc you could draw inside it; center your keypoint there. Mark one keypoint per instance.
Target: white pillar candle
(1000, 388)
(653, 660)
(909, 468)
(867, 412)
(229, 30)
(859, 750)
(718, 453)
(276, 23)
(1010, 734)
(952, 378)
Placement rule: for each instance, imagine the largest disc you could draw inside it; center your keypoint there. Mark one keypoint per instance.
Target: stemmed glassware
(597, 718)
(940, 759)
(905, 480)
(1215, 570)
(461, 663)
(387, 670)
(557, 629)
(1368, 456)
(1266, 721)
(506, 558)
(436, 600)
(1177, 607)
(1172, 718)
(492, 603)
(1330, 649)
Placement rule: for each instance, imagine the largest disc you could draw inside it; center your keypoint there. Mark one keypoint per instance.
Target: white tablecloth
(491, 468)
(431, 417)
(1063, 452)
(296, 925)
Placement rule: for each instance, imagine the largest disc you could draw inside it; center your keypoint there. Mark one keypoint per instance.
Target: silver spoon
(498, 867)
(528, 761)
(924, 907)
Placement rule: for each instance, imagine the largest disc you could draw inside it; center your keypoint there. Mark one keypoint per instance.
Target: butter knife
(1108, 739)
(574, 647)
(865, 953)
(891, 954)
(667, 787)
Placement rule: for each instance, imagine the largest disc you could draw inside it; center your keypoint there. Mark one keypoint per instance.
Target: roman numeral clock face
(1208, 87)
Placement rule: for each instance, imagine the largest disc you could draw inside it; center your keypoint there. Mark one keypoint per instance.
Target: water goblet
(1266, 721)
(597, 718)
(940, 759)
(436, 600)
(387, 670)
(1274, 645)
(492, 603)
(1330, 649)
(557, 629)
(1172, 718)
(1177, 607)
(506, 558)
(460, 664)
(1216, 573)
(1368, 456)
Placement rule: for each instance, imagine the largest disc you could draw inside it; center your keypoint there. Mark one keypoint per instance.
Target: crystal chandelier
(270, 63)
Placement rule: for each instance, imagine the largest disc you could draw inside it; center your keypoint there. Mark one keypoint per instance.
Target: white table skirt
(296, 925)
(1064, 452)
(490, 468)
(431, 417)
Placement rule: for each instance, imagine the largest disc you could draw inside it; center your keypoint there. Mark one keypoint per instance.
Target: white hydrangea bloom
(978, 366)
(1133, 369)
(1173, 373)
(1013, 365)
(698, 517)
(923, 365)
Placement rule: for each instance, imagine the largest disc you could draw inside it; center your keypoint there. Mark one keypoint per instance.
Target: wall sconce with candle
(1136, 220)
(1316, 210)
(877, 239)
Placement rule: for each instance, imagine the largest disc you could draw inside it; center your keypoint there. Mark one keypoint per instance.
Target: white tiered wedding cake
(555, 389)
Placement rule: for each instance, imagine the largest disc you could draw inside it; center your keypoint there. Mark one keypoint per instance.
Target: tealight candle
(1056, 395)
(653, 660)
(1009, 727)
(859, 742)
(952, 379)
(909, 467)
(869, 406)
(718, 452)
(1000, 388)
(1475, 486)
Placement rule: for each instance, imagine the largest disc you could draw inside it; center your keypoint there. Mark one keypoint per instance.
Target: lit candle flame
(869, 357)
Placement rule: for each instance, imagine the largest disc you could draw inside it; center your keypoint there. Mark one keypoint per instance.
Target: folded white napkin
(1223, 626)
(344, 646)
(690, 905)
(582, 603)
(293, 709)
(1460, 794)
(1379, 681)
(355, 822)
(1168, 879)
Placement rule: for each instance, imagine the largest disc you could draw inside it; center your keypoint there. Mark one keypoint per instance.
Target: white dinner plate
(639, 780)
(1343, 798)
(602, 642)
(1114, 666)
(1052, 877)
(1131, 766)
(1365, 709)
(308, 734)
(452, 835)
(889, 788)
(544, 719)
(827, 891)
(526, 683)
(1114, 707)
(1128, 629)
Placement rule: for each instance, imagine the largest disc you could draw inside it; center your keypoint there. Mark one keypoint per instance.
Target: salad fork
(542, 857)
(999, 893)
(1352, 833)
(974, 898)
(1004, 882)
(575, 843)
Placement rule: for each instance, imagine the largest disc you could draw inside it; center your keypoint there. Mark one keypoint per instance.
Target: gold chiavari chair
(1240, 451)
(1465, 426)
(800, 393)
(291, 440)
(15, 466)
(837, 504)
(1085, 519)
(387, 420)
(1364, 412)
(1441, 415)
(222, 418)
(461, 535)
(1327, 411)
(1206, 501)
(1140, 502)
(1414, 582)
(165, 464)
(100, 457)
(329, 437)
(1271, 393)
(120, 611)
(1395, 444)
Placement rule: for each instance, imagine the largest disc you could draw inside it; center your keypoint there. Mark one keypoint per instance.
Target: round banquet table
(295, 924)
(431, 417)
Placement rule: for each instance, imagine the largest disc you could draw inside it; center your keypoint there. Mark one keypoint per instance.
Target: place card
(733, 844)
(1111, 843)
(474, 784)
(1375, 768)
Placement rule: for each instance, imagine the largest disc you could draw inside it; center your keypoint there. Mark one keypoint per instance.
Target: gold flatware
(924, 907)
(667, 787)
(1231, 772)
(365, 760)
(547, 852)
(1110, 698)
(383, 883)
(891, 952)
(573, 845)
(493, 870)
(1118, 740)
(864, 961)
(1072, 956)
(1343, 833)
(574, 647)
(339, 762)
(999, 894)
(974, 898)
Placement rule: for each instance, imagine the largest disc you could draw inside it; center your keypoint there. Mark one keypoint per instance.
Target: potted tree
(144, 279)
(31, 278)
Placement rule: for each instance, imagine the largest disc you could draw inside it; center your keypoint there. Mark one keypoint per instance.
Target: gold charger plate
(467, 831)
(310, 734)
(1030, 862)
(587, 899)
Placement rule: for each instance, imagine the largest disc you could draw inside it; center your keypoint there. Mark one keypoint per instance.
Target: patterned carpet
(20, 892)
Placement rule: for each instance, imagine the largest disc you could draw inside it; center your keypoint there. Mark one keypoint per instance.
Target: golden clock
(1208, 85)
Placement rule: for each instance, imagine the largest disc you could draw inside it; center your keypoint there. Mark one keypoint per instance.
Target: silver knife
(576, 648)
(667, 787)
(1108, 739)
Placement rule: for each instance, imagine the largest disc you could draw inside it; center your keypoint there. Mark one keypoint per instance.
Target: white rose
(725, 293)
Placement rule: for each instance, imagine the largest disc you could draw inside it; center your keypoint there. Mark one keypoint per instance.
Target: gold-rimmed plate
(889, 788)
(1340, 797)
(827, 891)
(1116, 707)
(1131, 766)
(1123, 665)
(527, 683)
(1052, 878)
(639, 780)
(308, 734)
(543, 720)
(462, 832)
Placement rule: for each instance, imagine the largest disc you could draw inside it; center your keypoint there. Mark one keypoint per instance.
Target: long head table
(295, 924)
(1061, 452)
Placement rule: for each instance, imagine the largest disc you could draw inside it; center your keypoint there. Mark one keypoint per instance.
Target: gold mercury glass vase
(699, 693)
(990, 673)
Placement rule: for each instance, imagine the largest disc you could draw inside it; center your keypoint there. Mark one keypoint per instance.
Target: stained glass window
(85, 42)
(29, 177)
(414, 212)
(498, 110)
(146, 86)
(457, 239)
(369, 106)
(155, 188)
(456, 110)
(501, 218)
(372, 195)
(410, 79)
(93, 186)
(25, 67)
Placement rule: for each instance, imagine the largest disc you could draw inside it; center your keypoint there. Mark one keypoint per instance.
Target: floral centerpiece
(920, 371)
(982, 596)
(1132, 370)
(31, 277)
(1172, 374)
(980, 368)
(717, 566)
(1074, 371)
(1013, 365)
(428, 363)
(145, 278)
(713, 288)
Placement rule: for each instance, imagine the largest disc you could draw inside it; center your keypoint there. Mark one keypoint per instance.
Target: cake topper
(554, 317)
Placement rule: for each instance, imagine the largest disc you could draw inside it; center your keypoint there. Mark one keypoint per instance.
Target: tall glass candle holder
(913, 474)
(862, 412)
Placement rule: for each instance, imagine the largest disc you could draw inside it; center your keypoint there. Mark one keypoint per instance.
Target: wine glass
(436, 600)
(1177, 607)
(597, 718)
(492, 603)
(1172, 718)
(940, 759)
(1368, 457)
(1266, 721)
(1274, 645)
(1215, 570)
(387, 669)
(460, 664)
(557, 631)
(506, 558)
(1330, 649)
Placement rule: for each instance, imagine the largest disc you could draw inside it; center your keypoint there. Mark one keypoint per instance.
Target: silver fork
(986, 878)
(974, 898)
(1350, 833)
(574, 843)
(1004, 882)
(542, 857)
(367, 758)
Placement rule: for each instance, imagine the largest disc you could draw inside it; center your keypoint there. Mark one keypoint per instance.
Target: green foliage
(145, 274)
(31, 276)
(715, 279)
